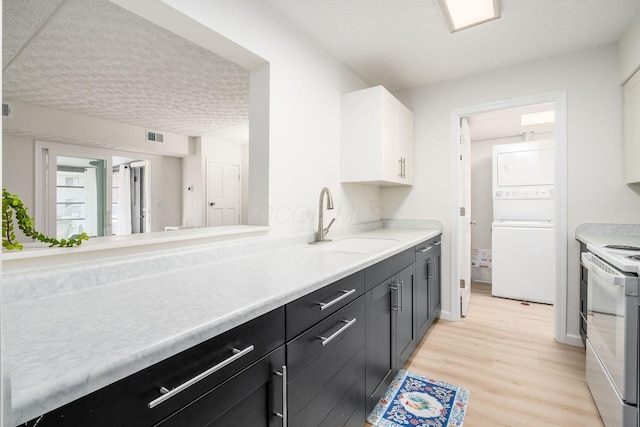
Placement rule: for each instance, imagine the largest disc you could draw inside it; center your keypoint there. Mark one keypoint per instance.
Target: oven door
(612, 310)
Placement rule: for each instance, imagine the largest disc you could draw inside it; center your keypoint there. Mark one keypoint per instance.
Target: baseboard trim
(445, 315)
(574, 340)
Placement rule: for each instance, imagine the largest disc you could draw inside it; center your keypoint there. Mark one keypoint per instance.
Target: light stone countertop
(64, 345)
(605, 234)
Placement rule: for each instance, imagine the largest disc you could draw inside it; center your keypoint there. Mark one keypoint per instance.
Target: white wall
(304, 115)
(78, 129)
(32, 122)
(596, 190)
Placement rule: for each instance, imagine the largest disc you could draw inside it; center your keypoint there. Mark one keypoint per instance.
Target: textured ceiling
(406, 43)
(93, 58)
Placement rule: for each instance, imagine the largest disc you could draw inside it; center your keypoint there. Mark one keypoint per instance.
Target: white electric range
(612, 331)
(625, 258)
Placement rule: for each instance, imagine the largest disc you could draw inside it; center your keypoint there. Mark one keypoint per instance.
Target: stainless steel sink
(361, 245)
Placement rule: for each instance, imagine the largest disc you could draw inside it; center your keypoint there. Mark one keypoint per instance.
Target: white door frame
(559, 99)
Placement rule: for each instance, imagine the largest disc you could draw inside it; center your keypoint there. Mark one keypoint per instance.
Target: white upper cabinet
(632, 129)
(376, 139)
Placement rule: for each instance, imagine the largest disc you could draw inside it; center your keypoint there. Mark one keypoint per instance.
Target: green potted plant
(11, 203)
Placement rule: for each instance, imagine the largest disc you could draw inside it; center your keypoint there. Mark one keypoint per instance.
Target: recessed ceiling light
(537, 118)
(461, 14)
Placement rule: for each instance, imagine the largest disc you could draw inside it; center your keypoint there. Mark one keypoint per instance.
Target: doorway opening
(81, 189)
(480, 123)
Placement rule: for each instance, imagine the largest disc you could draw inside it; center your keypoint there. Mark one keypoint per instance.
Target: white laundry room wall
(596, 190)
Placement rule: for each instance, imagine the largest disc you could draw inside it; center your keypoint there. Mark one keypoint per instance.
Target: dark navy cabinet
(326, 356)
(390, 321)
(428, 282)
(583, 297)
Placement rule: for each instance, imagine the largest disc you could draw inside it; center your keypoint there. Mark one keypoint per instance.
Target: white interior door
(223, 194)
(464, 255)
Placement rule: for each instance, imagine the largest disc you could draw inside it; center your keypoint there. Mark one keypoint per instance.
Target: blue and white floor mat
(418, 401)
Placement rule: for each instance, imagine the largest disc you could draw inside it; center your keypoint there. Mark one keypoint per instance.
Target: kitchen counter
(63, 344)
(605, 234)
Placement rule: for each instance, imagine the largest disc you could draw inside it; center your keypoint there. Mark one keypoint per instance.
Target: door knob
(212, 203)
(472, 222)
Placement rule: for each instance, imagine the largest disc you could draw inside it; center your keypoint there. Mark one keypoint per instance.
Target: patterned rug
(418, 401)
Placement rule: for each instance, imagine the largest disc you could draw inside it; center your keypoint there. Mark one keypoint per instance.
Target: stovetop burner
(623, 247)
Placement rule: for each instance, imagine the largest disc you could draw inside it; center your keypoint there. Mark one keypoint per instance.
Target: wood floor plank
(504, 353)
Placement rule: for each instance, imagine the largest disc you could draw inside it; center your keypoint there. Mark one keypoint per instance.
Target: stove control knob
(498, 193)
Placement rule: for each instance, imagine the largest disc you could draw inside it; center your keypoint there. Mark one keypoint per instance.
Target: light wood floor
(503, 352)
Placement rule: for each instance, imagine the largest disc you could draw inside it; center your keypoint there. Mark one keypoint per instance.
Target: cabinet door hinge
(463, 211)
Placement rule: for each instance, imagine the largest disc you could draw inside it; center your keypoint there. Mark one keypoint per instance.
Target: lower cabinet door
(253, 397)
(434, 276)
(406, 338)
(423, 321)
(381, 341)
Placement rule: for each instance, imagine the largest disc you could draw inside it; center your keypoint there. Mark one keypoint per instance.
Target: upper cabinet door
(376, 139)
(632, 129)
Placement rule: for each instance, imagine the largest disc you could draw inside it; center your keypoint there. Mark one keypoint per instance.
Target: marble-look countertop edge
(602, 233)
(34, 402)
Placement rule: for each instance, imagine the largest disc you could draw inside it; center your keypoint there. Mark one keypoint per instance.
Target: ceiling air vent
(6, 111)
(156, 137)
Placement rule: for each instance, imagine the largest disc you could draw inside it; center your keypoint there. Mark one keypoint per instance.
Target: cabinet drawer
(126, 402)
(250, 398)
(428, 247)
(337, 403)
(381, 271)
(312, 308)
(320, 377)
(347, 323)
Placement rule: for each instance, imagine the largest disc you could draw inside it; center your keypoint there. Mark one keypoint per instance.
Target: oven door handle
(612, 279)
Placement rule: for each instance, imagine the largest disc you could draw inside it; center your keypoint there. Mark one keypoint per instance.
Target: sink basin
(362, 245)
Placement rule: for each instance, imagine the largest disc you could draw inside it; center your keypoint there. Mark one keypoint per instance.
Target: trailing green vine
(11, 202)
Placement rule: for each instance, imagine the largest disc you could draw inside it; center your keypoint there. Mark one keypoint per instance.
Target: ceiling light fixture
(537, 118)
(461, 14)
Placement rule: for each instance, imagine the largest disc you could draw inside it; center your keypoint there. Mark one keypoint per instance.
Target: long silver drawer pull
(400, 295)
(423, 250)
(438, 243)
(285, 408)
(345, 294)
(327, 340)
(168, 394)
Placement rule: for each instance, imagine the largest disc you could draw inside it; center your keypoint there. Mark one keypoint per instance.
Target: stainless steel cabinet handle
(285, 407)
(345, 294)
(438, 243)
(423, 250)
(403, 167)
(168, 394)
(395, 287)
(327, 340)
(400, 296)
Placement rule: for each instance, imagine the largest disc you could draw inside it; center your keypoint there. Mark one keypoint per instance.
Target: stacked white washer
(523, 230)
